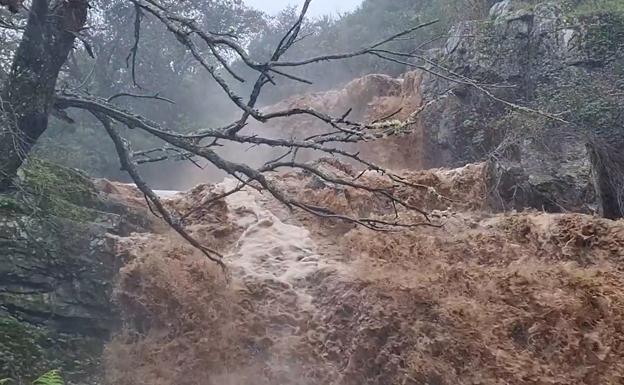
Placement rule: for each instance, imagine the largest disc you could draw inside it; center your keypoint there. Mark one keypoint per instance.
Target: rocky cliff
(550, 57)
(57, 269)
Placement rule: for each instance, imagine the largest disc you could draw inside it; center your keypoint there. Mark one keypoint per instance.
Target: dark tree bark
(29, 92)
(607, 163)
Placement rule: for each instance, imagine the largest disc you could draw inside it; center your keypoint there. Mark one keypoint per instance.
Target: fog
(317, 8)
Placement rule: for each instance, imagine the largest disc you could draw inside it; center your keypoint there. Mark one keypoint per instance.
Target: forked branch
(207, 48)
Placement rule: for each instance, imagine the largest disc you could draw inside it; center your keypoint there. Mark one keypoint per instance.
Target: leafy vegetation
(351, 31)
(162, 66)
(28, 350)
(592, 7)
(165, 68)
(52, 377)
(21, 346)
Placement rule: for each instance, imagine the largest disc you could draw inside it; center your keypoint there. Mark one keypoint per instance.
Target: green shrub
(592, 7)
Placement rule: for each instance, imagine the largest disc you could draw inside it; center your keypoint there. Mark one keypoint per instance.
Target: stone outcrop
(544, 57)
(57, 268)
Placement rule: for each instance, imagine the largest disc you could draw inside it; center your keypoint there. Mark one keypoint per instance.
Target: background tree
(164, 67)
(28, 93)
(373, 18)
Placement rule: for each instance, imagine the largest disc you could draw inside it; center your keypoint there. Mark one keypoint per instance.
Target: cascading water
(521, 297)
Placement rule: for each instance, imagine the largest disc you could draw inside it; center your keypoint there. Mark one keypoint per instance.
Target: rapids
(520, 297)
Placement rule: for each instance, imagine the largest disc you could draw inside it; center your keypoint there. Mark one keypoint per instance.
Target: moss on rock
(53, 190)
(67, 184)
(56, 273)
(28, 350)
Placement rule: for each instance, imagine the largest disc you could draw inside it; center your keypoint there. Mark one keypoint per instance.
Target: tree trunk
(29, 93)
(607, 163)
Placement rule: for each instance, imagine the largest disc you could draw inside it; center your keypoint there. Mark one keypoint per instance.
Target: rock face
(545, 57)
(56, 273)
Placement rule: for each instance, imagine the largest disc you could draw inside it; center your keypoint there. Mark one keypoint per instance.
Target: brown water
(527, 298)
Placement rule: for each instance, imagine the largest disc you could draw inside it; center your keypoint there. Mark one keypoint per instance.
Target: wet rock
(530, 53)
(57, 268)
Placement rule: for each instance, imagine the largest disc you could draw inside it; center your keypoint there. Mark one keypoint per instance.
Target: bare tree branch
(191, 145)
(210, 50)
(123, 151)
(132, 56)
(137, 96)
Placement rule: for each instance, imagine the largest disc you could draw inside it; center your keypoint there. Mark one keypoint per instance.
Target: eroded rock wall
(548, 58)
(57, 268)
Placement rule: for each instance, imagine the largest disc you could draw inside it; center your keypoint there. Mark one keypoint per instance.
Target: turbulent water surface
(524, 297)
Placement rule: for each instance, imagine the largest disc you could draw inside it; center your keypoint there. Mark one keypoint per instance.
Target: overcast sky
(317, 7)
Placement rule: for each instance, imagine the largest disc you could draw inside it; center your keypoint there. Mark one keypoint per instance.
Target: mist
(317, 7)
